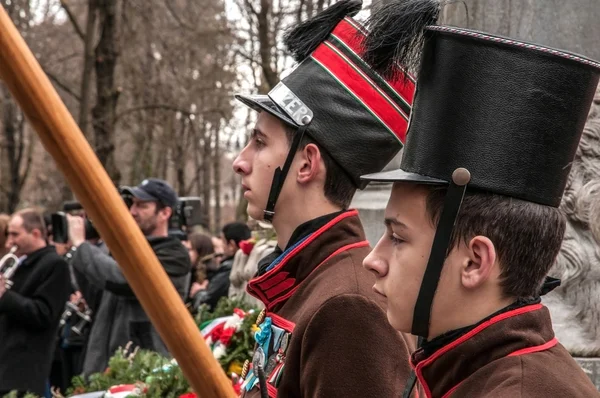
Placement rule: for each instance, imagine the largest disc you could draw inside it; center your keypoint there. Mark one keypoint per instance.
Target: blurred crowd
(66, 305)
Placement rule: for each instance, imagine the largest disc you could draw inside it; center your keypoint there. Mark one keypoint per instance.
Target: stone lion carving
(575, 305)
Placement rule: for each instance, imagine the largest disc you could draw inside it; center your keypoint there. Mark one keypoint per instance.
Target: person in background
(30, 310)
(216, 282)
(231, 236)
(120, 317)
(218, 247)
(199, 246)
(4, 219)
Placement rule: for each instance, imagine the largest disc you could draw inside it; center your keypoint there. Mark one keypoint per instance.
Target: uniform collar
(300, 232)
(300, 259)
(445, 362)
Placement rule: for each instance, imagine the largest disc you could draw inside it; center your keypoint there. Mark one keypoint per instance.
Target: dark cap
(154, 189)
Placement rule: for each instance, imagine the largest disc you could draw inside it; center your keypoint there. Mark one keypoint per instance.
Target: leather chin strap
(281, 174)
(439, 251)
(437, 256)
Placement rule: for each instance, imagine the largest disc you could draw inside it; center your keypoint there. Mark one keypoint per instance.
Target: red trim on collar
(528, 350)
(273, 281)
(419, 367)
(451, 391)
(281, 322)
(537, 348)
(342, 249)
(254, 287)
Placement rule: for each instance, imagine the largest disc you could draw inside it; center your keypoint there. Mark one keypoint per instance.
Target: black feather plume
(303, 39)
(395, 39)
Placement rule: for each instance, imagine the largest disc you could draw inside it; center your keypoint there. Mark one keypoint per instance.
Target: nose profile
(240, 165)
(375, 263)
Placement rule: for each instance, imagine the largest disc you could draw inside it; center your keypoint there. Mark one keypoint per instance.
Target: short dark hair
(236, 231)
(202, 244)
(33, 219)
(527, 236)
(339, 188)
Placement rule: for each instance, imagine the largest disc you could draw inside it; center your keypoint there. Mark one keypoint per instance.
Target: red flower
(226, 335)
(188, 395)
(246, 246)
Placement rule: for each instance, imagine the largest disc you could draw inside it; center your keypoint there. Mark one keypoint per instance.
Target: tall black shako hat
(352, 112)
(489, 113)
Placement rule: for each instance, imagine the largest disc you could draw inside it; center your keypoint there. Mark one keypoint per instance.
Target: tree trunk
(107, 94)
(270, 78)
(217, 175)
(19, 151)
(86, 84)
(180, 158)
(88, 67)
(206, 177)
(198, 162)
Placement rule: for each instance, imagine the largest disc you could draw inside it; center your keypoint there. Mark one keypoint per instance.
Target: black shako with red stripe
(356, 115)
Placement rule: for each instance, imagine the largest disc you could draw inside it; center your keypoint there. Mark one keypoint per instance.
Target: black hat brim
(261, 103)
(138, 193)
(400, 175)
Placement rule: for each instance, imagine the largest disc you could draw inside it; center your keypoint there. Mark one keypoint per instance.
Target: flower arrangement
(228, 330)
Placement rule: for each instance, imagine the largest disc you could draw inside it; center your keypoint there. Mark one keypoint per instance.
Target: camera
(187, 214)
(60, 225)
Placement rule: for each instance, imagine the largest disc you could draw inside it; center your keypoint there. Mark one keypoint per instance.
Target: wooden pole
(62, 138)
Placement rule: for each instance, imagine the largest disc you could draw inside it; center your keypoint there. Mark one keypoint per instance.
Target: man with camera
(32, 297)
(120, 317)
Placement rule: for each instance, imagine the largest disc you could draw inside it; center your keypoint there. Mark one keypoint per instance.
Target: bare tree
(107, 92)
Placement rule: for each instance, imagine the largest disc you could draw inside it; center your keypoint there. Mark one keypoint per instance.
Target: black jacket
(218, 286)
(29, 316)
(120, 317)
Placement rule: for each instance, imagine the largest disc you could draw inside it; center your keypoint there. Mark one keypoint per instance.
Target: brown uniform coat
(340, 343)
(513, 354)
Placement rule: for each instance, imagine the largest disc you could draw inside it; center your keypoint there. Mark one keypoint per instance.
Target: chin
(255, 212)
(399, 323)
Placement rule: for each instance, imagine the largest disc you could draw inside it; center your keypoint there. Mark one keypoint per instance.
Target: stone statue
(575, 305)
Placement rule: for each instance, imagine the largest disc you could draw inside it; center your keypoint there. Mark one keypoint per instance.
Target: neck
(286, 221)
(479, 308)
(160, 231)
(37, 246)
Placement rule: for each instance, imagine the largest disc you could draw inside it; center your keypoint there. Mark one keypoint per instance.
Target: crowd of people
(69, 307)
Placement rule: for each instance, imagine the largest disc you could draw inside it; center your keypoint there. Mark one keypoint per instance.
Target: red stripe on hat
(351, 36)
(362, 89)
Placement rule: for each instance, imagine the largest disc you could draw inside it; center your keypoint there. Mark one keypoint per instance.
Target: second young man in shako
(473, 224)
(332, 119)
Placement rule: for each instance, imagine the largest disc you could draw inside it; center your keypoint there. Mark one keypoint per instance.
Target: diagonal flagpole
(61, 137)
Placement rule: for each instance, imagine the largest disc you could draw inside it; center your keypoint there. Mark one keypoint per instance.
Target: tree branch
(250, 7)
(156, 106)
(176, 17)
(62, 85)
(245, 56)
(72, 18)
